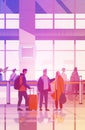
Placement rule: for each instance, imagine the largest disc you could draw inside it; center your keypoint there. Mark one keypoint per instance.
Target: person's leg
(56, 101)
(77, 88)
(56, 104)
(26, 100)
(46, 99)
(41, 100)
(19, 100)
(61, 106)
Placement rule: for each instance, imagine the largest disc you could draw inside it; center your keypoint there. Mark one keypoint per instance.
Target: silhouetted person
(75, 78)
(13, 75)
(43, 87)
(59, 89)
(22, 92)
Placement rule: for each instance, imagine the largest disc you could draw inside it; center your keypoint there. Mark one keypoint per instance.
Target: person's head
(45, 72)
(63, 69)
(57, 73)
(24, 71)
(14, 70)
(21, 74)
(75, 68)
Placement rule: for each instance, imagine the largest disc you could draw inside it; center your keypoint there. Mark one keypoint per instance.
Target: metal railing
(34, 83)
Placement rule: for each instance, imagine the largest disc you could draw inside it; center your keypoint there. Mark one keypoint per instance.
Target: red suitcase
(33, 100)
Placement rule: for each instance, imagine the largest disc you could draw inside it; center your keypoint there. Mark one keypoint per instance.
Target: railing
(9, 84)
(30, 82)
(34, 83)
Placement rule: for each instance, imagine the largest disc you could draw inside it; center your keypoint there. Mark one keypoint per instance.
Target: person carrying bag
(58, 91)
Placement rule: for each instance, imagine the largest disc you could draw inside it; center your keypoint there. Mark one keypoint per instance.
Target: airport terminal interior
(37, 35)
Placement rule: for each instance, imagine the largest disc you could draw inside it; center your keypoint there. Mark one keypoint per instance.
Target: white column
(80, 90)
(8, 93)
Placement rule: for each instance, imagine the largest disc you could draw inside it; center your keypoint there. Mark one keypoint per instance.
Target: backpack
(16, 82)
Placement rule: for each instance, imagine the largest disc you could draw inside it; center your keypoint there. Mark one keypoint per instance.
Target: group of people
(59, 85)
(44, 84)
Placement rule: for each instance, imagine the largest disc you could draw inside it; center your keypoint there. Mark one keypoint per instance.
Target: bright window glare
(12, 45)
(64, 24)
(1, 24)
(12, 16)
(80, 15)
(12, 23)
(80, 56)
(64, 15)
(80, 45)
(44, 24)
(43, 45)
(80, 24)
(1, 59)
(1, 16)
(50, 54)
(44, 60)
(14, 58)
(43, 16)
(64, 45)
(1, 45)
(64, 59)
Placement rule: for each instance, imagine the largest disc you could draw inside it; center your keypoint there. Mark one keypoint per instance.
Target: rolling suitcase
(33, 99)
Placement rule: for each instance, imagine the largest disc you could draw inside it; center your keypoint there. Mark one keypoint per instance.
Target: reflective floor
(72, 117)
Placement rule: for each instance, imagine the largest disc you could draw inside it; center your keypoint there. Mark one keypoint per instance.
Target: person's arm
(25, 83)
(51, 80)
(62, 84)
(40, 84)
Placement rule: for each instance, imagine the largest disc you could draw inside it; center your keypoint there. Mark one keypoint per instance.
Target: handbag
(53, 95)
(49, 88)
(62, 99)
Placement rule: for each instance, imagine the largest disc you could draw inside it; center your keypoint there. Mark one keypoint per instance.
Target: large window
(67, 53)
(80, 21)
(54, 56)
(80, 56)
(9, 53)
(51, 54)
(9, 43)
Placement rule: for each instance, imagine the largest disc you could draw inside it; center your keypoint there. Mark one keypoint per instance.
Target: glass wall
(52, 54)
(9, 43)
(9, 53)
(68, 53)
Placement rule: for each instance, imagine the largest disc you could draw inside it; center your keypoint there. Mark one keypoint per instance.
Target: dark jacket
(74, 77)
(1, 77)
(40, 84)
(24, 81)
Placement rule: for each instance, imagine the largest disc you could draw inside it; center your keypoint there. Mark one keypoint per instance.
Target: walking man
(22, 91)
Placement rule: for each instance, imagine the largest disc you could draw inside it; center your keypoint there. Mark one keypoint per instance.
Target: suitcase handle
(32, 92)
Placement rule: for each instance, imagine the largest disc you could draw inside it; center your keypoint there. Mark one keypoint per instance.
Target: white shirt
(45, 80)
(64, 76)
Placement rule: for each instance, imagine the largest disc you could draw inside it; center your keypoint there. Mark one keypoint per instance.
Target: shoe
(55, 109)
(47, 109)
(60, 110)
(40, 109)
(19, 109)
(27, 109)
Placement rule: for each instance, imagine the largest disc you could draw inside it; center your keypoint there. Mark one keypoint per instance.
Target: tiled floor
(72, 116)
